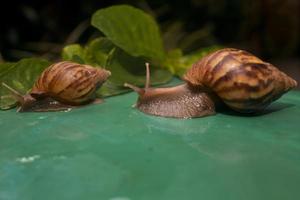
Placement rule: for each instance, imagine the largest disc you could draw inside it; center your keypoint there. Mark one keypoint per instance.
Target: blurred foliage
(177, 63)
(129, 37)
(269, 28)
(124, 67)
(132, 37)
(116, 52)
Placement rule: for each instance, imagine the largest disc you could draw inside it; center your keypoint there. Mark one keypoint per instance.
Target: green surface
(112, 151)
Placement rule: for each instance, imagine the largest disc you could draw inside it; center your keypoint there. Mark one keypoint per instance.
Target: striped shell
(243, 82)
(69, 82)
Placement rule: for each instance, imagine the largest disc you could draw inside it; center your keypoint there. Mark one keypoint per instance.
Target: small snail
(61, 86)
(228, 76)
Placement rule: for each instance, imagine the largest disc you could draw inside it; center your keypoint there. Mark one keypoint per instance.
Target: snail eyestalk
(147, 84)
(26, 101)
(138, 90)
(15, 93)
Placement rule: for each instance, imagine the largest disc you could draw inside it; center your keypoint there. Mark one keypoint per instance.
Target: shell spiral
(243, 82)
(69, 82)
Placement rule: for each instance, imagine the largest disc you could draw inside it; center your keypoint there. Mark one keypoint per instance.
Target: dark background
(267, 28)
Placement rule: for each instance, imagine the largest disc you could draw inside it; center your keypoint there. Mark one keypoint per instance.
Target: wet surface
(112, 151)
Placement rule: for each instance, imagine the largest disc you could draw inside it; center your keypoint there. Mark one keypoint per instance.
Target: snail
(61, 86)
(228, 76)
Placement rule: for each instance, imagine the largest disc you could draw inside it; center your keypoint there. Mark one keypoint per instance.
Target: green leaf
(100, 44)
(124, 67)
(4, 67)
(173, 61)
(7, 102)
(99, 51)
(20, 76)
(131, 29)
(74, 52)
(177, 63)
(96, 53)
(111, 89)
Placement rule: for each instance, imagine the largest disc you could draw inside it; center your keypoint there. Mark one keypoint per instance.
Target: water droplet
(28, 159)
(68, 110)
(119, 198)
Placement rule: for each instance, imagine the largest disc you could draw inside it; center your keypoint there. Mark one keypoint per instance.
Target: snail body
(61, 86)
(228, 76)
(180, 101)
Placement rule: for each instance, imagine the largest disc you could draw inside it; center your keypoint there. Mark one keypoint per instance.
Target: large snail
(235, 77)
(61, 86)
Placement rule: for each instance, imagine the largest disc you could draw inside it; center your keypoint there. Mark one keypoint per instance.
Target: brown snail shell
(235, 77)
(61, 86)
(243, 82)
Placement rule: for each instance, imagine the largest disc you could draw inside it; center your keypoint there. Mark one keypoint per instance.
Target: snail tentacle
(138, 90)
(147, 84)
(14, 92)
